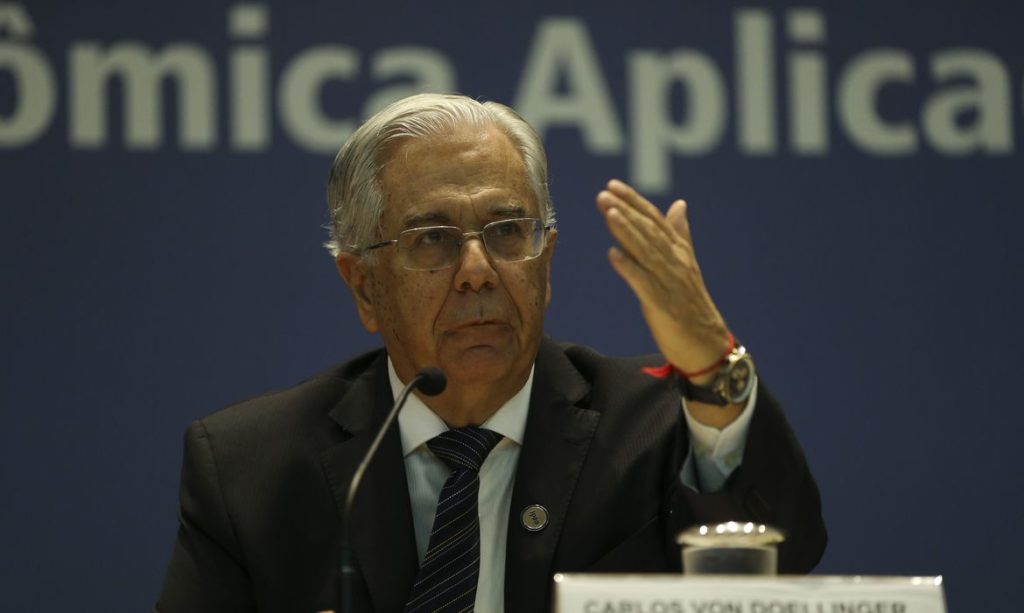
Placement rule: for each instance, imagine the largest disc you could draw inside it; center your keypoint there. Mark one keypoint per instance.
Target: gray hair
(354, 197)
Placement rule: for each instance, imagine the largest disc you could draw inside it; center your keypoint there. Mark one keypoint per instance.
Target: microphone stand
(432, 382)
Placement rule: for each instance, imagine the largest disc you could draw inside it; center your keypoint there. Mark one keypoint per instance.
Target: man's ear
(550, 248)
(357, 276)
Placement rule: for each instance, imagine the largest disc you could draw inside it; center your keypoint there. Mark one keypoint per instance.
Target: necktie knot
(464, 448)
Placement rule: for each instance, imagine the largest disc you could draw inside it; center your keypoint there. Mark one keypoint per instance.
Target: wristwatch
(732, 384)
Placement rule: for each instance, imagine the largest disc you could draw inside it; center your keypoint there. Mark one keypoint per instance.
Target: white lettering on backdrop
(967, 108)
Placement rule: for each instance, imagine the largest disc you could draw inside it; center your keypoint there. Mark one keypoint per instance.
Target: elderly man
(538, 457)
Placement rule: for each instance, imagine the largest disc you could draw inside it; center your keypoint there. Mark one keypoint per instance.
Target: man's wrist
(731, 383)
(709, 366)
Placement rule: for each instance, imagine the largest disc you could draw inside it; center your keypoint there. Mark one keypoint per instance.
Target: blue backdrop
(854, 174)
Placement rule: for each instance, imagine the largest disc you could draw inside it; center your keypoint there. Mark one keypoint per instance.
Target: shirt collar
(417, 424)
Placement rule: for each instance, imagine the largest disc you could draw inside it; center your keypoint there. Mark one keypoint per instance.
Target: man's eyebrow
(510, 210)
(433, 218)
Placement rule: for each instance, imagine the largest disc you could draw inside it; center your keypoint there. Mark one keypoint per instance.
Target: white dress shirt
(714, 454)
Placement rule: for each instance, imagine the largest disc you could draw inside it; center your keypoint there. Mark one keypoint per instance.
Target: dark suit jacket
(263, 480)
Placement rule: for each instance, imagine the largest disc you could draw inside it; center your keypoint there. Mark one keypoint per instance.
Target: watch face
(741, 375)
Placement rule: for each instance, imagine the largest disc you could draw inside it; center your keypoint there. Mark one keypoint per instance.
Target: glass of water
(731, 548)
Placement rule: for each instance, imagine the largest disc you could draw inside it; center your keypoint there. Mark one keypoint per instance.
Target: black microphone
(431, 381)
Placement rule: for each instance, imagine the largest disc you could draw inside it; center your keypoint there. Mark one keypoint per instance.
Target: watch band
(700, 393)
(732, 383)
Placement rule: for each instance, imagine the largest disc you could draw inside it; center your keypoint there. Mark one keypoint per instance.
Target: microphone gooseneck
(431, 381)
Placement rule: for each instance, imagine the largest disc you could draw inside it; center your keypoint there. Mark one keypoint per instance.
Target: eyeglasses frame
(465, 237)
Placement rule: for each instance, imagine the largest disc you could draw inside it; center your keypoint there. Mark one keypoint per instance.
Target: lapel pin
(534, 518)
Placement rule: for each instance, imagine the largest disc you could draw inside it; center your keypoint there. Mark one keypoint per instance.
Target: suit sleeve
(206, 572)
(773, 485)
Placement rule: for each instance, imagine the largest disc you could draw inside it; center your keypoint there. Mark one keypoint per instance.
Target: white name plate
(784, 594)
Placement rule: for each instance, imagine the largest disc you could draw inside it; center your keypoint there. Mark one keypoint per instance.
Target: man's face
(480, 321)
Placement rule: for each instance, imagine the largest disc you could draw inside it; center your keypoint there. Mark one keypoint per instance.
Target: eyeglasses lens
(438, 247)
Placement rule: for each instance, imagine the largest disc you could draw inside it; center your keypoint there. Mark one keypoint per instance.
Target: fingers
(632, 203)
(634, 199)
(638, 279)
(636, 236)
(642, 231)
(655, 258)
(676, 218)
(642, 213)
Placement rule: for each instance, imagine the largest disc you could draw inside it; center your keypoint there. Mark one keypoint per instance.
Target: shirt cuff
(715, 454)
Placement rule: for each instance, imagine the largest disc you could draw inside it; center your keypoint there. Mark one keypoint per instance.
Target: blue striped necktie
(449, 572)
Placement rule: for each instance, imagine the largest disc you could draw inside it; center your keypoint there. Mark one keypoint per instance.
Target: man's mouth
(482, 328)
(477, 323)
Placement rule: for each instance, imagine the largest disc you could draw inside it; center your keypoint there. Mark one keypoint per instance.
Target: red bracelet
(664, 371)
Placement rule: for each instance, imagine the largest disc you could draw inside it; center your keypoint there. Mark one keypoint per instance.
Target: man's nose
(475, 270)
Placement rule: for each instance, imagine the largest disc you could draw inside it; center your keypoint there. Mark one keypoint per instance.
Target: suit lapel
(558, 434)
(381, 522)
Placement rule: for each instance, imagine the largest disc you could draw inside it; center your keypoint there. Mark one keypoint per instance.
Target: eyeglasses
(438, 247)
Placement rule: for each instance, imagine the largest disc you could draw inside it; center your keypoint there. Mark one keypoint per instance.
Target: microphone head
(431, 381)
